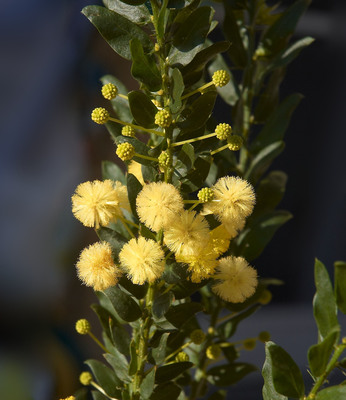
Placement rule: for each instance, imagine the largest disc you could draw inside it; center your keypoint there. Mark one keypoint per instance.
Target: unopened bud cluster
(128, 131)
(83, 326)
(109, 91)
(264, 336)
(235, 142)
(163, 118)
(125, 151)
(205, 195)
(213, 352)
(85, 378)
(223, 131)
(164, 160)
(249, 344)
(197, 336)
(220, 78)
(182, 356)
(100, 115)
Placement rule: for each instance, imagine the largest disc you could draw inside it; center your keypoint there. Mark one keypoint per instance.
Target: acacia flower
(234, 198)
(96, 267)
(201, 265)
(236, 279)
(158, 204)
(128, 131)
(233, 226)
(99, 202)
(187, 234)
(109, 91)
(163, 118)
(125, 151)
(220, 78)
(143, 260)
(235, 142)
(223, 131)
(219, 240)
(100, 115)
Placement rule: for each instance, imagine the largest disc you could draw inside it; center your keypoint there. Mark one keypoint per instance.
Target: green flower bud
(205, 195)
(197, 336)
(213, 352)
(223, 131)
(181, 357)
(125, 151)
(235, 142)
(85, 378)
(100, 115)
(164, 160)
(264, 336)
(83, 326)
(265, 297)
(128, 131)
(109, 91)
(249, 344)
(163, 118)
(220, 78)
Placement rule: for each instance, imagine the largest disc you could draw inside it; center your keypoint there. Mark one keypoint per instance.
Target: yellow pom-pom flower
(163, 118)
(100, 115)
(96, 267)
(237, 281)
(188, 233)
(234, 198)
(197, 336)
(223, 131)
(125, 151)
(205, 195)
(233, 226)
(83, 326)
(220, 78)
(85, 378)
(143, 259)
(235, 142)
(97, 203)
(109, 91)
(201, 265)
(213, 352)
(128, 131)
(158, 204)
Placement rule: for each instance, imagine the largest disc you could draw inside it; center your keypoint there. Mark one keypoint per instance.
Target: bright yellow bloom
(188, 233)
(96, 267)
(158, 205)
(236, 279)
(233, 226)
(219, 240)
(99, 202)
(234, 198)
(201, 265)
(135, 169)
(143, 259)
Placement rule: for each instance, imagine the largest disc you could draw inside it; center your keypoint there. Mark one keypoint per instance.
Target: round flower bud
(220, 78)
(85, 378)
(213, 352)
(197, 336)
(265, 297)
(125, 151)
(128, 131)
(164, 160)
(205, 195)
(163, 118)
(264, 336)
(109, 91)
(156, 47)
(100, 115)
(249, 344)
(235, 142)
(223, 131)
(83, 326)
(181, 357)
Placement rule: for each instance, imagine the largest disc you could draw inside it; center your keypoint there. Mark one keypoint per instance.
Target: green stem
(124, 221)
(94, 338)
(219, 149)
(136, 126)
(146, 157)
(197, 90)
(100, 389)
(123, 96)
(194, 139)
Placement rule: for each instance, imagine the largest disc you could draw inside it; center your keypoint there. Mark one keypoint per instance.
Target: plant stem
(197, 90)
(94, 338)
(194, 139)
(136, 126)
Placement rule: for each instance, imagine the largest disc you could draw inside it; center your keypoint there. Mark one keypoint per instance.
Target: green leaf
(268, 391)
(324, 304)
(147, 385)
(229, 374)
(185, 159)
(162, 303)
(219, 395)
(133, 367)
(332, 393)
(119, 364)
(112, 171)
(262, 161)
(167, 391)
(277, 124)
(253, 240)
(138, 14)
(119, 104)
(195, 179)
(124, 305)
(98, 396)
(142, 108)
(178, 315)
(133, 188)
(106, 378)
(114, 238)
(116, 30)
(134, 2)
(159, 352)
(171, 371)
(340, 285)
(286, 376)
(319, 354)
(138, 291)
(144, 67)
(177, 89)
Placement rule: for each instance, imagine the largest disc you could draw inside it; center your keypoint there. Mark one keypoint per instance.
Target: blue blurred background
(51, 62)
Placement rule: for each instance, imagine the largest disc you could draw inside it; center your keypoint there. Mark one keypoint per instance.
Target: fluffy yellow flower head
(96, 267)
(143, 259)
(158, 204)
(234, 198)
(99, 202)
(188, 233)
(236, 279)
(233, 226)
(201, 265)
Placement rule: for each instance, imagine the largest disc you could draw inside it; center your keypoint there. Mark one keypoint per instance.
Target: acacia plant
(192, 203)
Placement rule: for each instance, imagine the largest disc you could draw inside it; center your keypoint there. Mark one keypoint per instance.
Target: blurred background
(51, 62)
